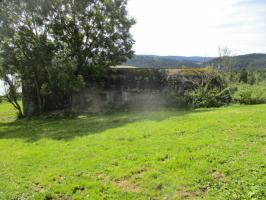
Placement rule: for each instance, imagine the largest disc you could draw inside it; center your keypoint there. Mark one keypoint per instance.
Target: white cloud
(193, 27)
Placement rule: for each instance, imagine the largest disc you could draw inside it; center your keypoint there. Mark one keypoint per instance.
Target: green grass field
(167, 154)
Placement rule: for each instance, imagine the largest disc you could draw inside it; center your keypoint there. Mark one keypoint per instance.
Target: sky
(198, 27)
(1, 88)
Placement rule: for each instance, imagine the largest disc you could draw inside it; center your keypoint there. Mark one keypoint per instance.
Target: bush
(2, 99)
(211, 92)
(214, 97)
(250, 94)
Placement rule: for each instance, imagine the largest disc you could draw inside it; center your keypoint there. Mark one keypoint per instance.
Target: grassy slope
(210, 154)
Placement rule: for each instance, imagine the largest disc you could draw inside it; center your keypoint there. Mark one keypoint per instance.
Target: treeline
(249, 61)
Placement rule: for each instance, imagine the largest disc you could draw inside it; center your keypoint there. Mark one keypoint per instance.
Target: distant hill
(147, 61)
(248, 61)
(196, 59)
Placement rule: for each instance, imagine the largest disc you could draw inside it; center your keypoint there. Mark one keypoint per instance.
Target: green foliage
(167, 154)
(53, 46)
(243, 76)
(250, 94)
(212, 92)
(246, 76)
(2, 99)
(259, 76)
(212, 97)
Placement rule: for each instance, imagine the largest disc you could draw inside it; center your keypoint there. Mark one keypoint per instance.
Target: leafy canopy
(54, 45)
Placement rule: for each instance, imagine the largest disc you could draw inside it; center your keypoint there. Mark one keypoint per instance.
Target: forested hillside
(147, 61)
(249, 61)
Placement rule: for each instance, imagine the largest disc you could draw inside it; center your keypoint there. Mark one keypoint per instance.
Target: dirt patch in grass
(264, 151)
(124, 183)
(62, 198)
(128, 186)
(242, 154)
(217, 175)
(185, 193)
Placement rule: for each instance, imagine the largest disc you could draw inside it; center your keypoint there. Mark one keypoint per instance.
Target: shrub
(250, 94)
(213, 97)
(2, 99)
(212, 92)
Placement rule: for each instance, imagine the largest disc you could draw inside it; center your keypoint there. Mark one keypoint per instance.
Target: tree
(226, 61)
(58, 44)
(225, 55)
(243, 76)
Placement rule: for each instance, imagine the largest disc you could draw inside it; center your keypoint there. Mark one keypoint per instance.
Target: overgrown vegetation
(244, 87)
(250, 94)
(212, 97)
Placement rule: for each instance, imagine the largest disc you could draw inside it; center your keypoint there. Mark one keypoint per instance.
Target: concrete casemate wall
(119, 88)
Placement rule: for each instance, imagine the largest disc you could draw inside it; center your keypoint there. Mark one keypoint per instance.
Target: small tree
(226, 61)
(12, 85)
(243, 76)
(12, 95)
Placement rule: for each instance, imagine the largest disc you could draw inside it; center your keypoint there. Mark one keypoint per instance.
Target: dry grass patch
(217, 175)
(128, 186)
(185, 193)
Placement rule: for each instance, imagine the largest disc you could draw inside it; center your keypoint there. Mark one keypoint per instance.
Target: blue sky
(198, 27)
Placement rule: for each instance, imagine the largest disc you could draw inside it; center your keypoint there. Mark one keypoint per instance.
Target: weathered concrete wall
(122, 87)
(136, 88)
(95, 100)
(119, 88)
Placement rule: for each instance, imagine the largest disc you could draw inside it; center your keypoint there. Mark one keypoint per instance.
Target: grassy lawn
(170, 154)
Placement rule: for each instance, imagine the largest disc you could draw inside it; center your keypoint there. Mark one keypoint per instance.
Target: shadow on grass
(34, 129)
